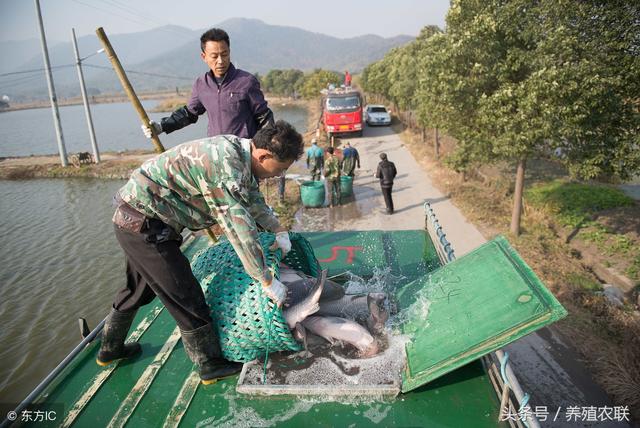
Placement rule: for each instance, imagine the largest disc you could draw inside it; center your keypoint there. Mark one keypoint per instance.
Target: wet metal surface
(549, 370)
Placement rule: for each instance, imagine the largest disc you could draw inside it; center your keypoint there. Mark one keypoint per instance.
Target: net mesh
(246, 320)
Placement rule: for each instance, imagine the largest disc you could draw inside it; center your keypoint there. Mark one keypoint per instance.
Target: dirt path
(547, 367)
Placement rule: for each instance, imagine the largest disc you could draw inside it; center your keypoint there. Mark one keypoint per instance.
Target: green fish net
(248, 323)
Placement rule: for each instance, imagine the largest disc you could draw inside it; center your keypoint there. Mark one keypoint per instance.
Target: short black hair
(330, 150)
(383, 156)
(214, 35)
(281, 139)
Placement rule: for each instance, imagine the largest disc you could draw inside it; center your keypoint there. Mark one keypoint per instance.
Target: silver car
(375, 114)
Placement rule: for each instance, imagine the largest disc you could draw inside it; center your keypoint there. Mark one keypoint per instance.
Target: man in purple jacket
(231, 97)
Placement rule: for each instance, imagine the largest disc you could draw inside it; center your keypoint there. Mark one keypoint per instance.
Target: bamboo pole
(117, 67)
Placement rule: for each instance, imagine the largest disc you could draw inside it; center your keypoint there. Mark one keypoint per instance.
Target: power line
(110, 12)
(135, 21)
(22, 81)
(92, 66)
(147, 16)
(142, 72)
(35, 70)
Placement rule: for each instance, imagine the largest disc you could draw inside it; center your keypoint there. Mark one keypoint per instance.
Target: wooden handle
(117, 67)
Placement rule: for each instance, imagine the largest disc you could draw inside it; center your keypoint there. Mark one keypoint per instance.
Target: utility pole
(52, 90)
(87, 111)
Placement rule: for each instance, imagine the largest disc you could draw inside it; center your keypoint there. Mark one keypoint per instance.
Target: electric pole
(52, 90)
(87, 111)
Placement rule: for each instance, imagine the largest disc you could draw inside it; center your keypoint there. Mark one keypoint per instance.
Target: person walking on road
(231, 97)
(332, 175)
(315, 160)
(195, 185)
(350, 158)
(386, 172)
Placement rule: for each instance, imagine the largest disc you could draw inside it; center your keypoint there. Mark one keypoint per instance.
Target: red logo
(351, 253)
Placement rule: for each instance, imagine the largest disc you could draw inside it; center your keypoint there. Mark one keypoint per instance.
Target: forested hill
(174, 51)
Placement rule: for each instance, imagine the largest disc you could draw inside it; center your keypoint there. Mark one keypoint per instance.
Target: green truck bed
(160, 388)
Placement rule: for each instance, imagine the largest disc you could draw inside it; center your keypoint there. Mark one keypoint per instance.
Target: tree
(518, 79)
(317, 80)
(283, 82)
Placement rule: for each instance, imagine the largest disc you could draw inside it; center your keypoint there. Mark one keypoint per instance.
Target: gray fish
(339, 329)
(300, 285)
(352, 306)
(378, 315)
(369, 308)
(309, 305)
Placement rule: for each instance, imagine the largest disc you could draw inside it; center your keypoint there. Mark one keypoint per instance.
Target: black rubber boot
(203, 348)
(113, 335)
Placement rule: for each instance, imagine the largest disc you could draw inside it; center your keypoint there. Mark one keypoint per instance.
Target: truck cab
(342, 112)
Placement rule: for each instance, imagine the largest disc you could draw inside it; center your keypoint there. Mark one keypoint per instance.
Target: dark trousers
(157, 267)
(388, 201)
(334, 186)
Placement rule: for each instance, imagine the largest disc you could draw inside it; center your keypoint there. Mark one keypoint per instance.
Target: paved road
(547, 367)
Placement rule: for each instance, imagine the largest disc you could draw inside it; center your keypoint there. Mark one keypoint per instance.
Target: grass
(576, 203)
(285, 209)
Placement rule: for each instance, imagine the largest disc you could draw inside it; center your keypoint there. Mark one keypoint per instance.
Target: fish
(378, 314)
(299, 286)
(307, 306)
(335, 329)
(367, 308)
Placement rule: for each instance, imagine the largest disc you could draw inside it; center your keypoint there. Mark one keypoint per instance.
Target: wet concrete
(547, 367)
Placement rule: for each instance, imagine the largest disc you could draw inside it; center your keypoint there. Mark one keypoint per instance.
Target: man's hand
(276, 291)
(146, 130)
(283, 242)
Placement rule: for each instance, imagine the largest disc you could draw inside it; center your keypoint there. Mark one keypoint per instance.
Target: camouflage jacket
(203, 182)
(332, 167)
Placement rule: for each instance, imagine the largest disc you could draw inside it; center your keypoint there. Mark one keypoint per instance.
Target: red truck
(342, 112)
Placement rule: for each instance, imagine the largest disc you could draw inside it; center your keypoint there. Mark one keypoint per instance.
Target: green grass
(576, 203)
(582, 282)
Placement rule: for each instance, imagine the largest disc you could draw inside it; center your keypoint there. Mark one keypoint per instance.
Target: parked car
(377, 115)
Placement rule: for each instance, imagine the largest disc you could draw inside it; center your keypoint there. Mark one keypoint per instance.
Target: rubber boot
(203, 348)
(114, 333)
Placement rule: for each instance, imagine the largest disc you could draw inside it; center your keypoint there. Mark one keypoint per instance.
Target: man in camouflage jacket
(332, 175)
(195, 185)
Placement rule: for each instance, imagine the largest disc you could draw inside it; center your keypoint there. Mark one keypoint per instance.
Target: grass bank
(115, 165)
(573, 236)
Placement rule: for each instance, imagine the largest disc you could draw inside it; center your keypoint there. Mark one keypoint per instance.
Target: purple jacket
(237, 107)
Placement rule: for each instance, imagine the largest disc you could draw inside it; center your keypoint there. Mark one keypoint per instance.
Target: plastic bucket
(312, 193)
(346, 185)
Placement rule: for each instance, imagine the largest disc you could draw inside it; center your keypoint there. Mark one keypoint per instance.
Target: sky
(338, 18)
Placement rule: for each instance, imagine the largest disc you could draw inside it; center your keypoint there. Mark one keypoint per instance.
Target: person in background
(196, 185)
(347, 79)
(350, 158)
(386, 172)
(315, 160)
(231, 97)
(332, 175)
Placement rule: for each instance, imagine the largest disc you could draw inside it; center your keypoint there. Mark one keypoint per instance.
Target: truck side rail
(513, 400)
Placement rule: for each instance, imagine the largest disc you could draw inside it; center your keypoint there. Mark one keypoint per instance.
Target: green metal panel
(469, 308)
(409, 253)
(152, 392)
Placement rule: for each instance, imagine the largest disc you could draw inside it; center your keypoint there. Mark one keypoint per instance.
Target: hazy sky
(339, 18)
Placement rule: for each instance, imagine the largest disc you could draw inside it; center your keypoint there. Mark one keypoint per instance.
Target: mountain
(131, 48)
(175, 51)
